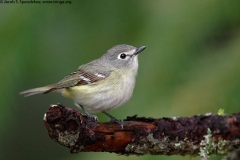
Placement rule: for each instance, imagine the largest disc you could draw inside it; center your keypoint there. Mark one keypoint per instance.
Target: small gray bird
(102, 84)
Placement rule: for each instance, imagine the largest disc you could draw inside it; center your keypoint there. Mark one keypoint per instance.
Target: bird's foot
(94, 117)
(120, 122)
(113, 119)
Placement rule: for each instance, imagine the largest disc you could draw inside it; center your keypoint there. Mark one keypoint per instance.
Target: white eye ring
(122, 56)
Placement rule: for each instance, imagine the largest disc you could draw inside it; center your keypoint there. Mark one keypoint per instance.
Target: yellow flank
(68, 92)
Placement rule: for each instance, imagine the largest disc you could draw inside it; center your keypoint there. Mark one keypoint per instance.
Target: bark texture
(202, 135)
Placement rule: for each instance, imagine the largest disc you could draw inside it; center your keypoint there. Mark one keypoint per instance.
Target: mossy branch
(202, 135)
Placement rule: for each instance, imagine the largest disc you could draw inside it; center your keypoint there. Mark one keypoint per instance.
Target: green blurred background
(191, 64)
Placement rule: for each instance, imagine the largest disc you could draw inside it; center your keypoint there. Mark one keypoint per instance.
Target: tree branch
(197, 135)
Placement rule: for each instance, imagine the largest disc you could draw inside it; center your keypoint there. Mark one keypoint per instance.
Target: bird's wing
(86, 74)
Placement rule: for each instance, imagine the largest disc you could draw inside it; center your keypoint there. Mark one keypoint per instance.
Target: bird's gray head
(122, 56)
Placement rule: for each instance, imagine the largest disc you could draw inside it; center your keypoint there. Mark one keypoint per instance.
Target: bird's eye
(123, 55)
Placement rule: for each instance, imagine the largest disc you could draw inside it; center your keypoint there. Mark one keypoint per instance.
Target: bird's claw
(120, 122)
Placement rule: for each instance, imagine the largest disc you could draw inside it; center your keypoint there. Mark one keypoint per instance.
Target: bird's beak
(139, 49)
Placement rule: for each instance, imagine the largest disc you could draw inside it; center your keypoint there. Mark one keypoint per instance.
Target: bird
(102, 84)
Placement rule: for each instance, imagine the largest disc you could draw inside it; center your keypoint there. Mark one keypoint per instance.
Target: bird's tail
(39, 90)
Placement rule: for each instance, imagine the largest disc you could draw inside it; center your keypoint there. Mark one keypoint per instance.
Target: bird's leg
(113, 119)
(89, 114)
(86, 112)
